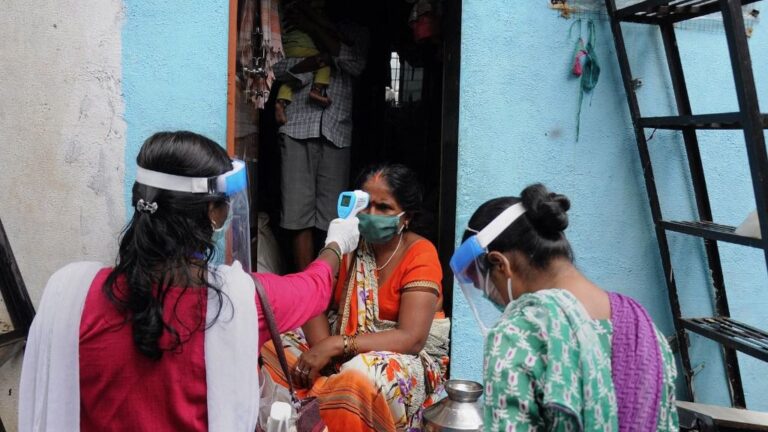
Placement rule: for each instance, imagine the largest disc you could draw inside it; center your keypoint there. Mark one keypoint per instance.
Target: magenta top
(295, 298)
(122, 390)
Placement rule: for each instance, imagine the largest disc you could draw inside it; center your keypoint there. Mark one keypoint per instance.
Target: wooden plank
(739, 419)
(231, 72)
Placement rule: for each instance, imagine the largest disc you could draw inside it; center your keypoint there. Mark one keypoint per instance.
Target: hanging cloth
(247, 51)
(585, 65)
(268, 53)
(245, 40)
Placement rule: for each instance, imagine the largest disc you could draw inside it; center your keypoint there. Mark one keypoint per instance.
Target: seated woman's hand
(313, 361)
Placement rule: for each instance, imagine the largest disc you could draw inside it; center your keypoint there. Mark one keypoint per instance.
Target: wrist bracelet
(335, 252)
(346, 344)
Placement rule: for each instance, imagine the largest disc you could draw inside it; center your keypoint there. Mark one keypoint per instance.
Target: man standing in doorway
(316, 138)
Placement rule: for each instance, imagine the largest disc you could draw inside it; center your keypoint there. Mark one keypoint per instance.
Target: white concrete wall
(62, 145)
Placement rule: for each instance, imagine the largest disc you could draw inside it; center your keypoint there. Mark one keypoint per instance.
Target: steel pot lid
(459, 412)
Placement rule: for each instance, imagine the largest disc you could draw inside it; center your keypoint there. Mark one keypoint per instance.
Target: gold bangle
(353, 349)
(346, 344)
(335, 252)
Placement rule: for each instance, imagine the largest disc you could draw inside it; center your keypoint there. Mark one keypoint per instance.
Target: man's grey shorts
(314, 173)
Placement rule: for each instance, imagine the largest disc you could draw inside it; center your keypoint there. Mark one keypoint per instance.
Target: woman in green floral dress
(564, 355)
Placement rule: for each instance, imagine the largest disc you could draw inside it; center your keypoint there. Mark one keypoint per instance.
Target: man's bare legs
(303, 248)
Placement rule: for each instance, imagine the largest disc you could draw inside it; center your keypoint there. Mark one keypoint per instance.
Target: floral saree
(378, 390)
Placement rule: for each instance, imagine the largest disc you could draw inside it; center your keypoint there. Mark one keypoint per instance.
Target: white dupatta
(50, 375)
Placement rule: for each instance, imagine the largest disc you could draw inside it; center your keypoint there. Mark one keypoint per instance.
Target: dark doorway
(405, 111)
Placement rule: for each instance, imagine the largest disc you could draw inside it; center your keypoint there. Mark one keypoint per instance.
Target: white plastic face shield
(235, 244)
(470, 267)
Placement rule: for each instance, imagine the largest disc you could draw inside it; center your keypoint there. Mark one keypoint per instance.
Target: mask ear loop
(486, 285)
(215, 226)
(403, 226)
(486, 288)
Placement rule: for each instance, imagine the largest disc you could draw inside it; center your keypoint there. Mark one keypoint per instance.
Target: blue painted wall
(517, 126)
(174, 72)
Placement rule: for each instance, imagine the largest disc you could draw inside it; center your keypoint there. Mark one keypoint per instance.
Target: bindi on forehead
(378, 176)
(377, 183)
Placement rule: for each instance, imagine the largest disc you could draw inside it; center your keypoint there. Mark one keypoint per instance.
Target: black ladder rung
(657, 11)
(732, 334)
(700, 121)
(712, 231)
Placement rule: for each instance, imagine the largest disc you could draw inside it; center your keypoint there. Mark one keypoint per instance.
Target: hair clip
(146, 207)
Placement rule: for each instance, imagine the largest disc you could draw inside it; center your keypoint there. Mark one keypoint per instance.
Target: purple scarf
(636, 364)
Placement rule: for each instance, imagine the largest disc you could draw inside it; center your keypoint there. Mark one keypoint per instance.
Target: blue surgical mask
(488, 286)
(379, 228)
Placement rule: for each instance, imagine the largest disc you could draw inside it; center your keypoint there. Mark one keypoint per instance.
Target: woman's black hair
(406, 189)
(171, 247)
(537, 234)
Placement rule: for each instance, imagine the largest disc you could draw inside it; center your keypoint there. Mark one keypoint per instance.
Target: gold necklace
(393, 253)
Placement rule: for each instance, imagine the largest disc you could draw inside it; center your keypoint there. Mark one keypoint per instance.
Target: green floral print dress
(548, 368)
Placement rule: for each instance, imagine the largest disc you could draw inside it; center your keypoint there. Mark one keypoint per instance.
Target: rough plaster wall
(517, 126)
(61, 142)
(174, 72)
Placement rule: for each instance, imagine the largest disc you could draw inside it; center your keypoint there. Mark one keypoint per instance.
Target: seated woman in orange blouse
(378, 356)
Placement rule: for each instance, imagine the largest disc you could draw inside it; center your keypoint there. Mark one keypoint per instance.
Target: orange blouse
(419, 264)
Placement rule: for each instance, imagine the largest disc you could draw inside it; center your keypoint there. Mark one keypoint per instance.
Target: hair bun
(546, 210)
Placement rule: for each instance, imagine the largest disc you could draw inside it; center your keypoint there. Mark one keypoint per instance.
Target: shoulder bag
(307, 410)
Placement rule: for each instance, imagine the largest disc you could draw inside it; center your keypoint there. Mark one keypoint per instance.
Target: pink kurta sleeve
(294, 298)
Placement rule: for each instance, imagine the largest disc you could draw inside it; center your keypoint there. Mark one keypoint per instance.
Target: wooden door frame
(449, 137)
(231, 73)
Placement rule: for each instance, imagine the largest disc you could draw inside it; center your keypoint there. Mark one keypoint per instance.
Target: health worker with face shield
(560, 352)
(379, 354)
(168, 338)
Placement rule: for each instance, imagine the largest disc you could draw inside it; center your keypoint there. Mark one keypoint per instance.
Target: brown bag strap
(276, 340)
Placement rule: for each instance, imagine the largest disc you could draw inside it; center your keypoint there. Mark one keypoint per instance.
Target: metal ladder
(731, 334)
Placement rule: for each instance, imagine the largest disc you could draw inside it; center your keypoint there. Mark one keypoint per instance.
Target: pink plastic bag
(578, 62)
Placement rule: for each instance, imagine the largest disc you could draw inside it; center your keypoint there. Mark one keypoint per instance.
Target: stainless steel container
(459, 412)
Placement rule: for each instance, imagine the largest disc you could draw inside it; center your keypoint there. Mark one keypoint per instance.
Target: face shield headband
(476, 246)
(228, 184)
(235, 243)
(469, 265)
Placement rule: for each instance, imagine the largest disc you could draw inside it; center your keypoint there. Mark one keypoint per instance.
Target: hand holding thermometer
(351, 203)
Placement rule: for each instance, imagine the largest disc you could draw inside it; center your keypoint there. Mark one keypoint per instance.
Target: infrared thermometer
(351, 203)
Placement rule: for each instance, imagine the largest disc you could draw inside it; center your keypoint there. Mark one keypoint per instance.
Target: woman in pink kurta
(115, 379)
(139, 329)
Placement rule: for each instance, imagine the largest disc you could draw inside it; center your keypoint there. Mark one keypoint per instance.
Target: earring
(213, 224)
